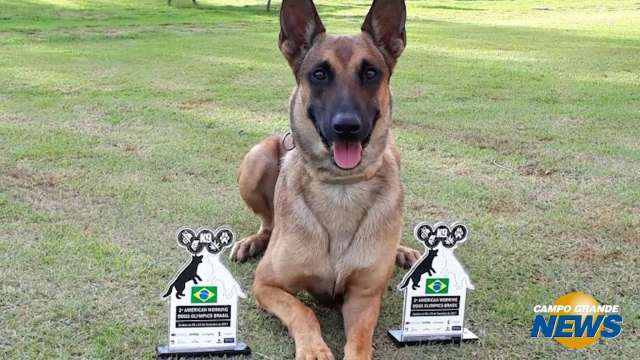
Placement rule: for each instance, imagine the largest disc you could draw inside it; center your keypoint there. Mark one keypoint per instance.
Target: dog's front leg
(301, 322)
(360, 312)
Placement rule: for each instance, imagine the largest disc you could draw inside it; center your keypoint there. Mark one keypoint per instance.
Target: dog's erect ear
(299, 26)
(385, 23)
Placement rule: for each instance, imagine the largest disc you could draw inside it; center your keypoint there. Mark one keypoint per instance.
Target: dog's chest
(340, 210)
(343, 212)
(327, 231)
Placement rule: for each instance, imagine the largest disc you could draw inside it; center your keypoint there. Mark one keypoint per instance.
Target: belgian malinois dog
(331, 207)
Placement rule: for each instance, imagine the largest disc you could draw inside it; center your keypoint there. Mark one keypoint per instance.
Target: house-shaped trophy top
(206, 247)
(439, 240)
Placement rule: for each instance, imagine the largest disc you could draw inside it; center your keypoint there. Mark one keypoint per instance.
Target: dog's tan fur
(331, 232)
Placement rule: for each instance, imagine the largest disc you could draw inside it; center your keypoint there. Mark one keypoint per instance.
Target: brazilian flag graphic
(437, 286)
(204, 294)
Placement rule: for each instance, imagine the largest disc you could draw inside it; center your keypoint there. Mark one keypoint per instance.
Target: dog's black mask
(343, 108)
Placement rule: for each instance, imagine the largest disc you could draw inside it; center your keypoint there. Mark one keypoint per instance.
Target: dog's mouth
(346, 155)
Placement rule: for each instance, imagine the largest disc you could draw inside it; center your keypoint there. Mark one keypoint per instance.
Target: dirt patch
(46, 192)
(28, 179)
(504, 145)
(175, 175)
(196, 104)
(14, 119)
(88, 121)
(592, 254)
(568, 123)
(126, 147)
(535, 169)
(502, 207)
(427, 210)
(545, 138)
(610, 222)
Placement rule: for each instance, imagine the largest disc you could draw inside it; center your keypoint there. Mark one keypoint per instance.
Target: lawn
(122, 120)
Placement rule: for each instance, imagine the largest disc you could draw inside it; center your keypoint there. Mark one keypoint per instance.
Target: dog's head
(341, 106)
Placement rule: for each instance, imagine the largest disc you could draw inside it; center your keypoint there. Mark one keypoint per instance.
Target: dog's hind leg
(257, 181)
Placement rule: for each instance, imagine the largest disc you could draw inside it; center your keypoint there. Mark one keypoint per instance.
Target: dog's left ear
(299, 26)
(385, 23)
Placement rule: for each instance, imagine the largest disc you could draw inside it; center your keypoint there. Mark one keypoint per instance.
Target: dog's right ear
(299, 26)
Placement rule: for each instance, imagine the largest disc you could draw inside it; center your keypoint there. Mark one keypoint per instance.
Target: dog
(331, 208)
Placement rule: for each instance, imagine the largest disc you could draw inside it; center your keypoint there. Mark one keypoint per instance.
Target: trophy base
(163, 351)
(397, 338)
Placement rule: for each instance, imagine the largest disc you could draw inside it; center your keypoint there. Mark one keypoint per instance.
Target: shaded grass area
(123, 120)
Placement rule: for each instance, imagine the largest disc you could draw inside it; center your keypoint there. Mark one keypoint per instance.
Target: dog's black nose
(346, 124)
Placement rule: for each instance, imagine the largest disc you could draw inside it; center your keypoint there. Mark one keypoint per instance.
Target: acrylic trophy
(435, 289)
(203, 310)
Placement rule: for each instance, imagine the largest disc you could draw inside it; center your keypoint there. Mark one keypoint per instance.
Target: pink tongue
(347, 155)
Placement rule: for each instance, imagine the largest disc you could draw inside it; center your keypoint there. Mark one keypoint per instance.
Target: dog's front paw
(313, 351)
(249, 247)
(406, 256)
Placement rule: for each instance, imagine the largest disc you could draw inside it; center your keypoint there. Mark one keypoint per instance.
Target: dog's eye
(370, 73)
(320, 74)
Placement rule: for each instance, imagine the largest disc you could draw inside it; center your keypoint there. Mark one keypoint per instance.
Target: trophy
(203, 310)
(435, 289)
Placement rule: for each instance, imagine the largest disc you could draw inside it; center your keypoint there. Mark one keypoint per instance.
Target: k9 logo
(204, 238)
(432, 235)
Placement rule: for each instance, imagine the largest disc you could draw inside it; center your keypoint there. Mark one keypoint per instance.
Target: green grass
(123, 120)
